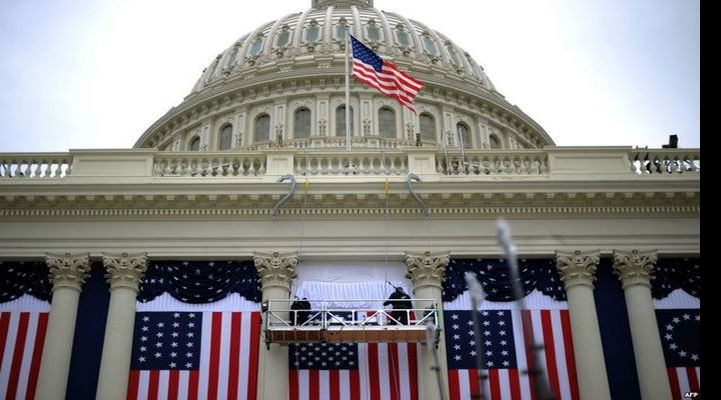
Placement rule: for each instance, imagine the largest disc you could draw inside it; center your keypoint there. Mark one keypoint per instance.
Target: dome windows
(428, 127)
(373, 31)
(464, 135)
(256, 46)
(312, 32)
(283, 37)
(387, 122)
(402, 36)
(194, 144)
(494, 141)
(262, 128)
(225, 141)
(342, 30)
(340, 121)
(429, 44)
(301, 123)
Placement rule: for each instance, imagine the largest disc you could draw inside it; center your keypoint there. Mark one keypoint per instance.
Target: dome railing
(428, 161)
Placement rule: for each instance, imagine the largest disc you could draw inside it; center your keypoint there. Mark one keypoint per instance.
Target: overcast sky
(96, 73)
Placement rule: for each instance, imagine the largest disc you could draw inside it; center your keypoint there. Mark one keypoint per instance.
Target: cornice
(354, 205)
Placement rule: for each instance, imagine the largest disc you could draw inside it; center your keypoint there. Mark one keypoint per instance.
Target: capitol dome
(282, 84)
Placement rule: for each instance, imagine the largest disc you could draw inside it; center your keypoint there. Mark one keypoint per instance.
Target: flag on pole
(383, 76)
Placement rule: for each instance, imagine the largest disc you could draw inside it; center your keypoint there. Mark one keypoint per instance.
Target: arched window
(464, 135)
(226, 137)
(430, 45)
(194, 144)
(283, 37)
(387, 122)
(374, 33)
(256, 46)
(301, 123)
(404, 38)
(494, 141)
(340, 121)
(312, 32)
(262, 128)
(341, 31)
(428, 127)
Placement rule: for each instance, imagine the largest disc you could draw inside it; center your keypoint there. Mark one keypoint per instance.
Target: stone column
(67, 274)
(635, 270)
(276, 271)
(577, 270)
(427, 271)
(125, 272)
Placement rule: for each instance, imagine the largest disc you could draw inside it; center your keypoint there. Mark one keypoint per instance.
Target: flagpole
(347, 90)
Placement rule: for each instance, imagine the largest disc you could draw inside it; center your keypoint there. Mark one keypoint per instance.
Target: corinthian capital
(634, 267)
(577, 267)
(276, 269)
(426, 269)
(68, 270)
(125, 270)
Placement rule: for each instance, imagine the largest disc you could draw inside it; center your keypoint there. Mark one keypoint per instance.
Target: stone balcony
(333, 164)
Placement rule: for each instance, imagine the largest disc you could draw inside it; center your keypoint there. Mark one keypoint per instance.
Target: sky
(86, 74)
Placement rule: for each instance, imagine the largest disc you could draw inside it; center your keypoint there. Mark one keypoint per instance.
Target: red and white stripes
(22, 336)
(391, 81)
(387, 371)
(228, 366)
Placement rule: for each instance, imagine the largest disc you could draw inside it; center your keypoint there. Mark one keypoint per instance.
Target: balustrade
(35, 166)
(665, 161)
(492, 163)
(205, 165)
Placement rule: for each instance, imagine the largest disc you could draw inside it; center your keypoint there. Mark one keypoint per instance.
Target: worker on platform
(401, 303)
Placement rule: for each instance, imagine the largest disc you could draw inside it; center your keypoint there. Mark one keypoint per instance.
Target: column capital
(68, 270)
(577, 267)
(125, 270)
(276, 269)
(634, 267)
(426, 268)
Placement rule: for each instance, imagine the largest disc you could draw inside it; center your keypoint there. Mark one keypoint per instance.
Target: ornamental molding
(276, 270)
(426, 269)
(125, 270)
(635, 267)
(68, 270)
(447, 205)
(577, 268)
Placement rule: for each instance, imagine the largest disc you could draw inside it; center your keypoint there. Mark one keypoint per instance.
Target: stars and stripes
(353, 371)
(383, 76)
(22, 336)
(195, 355)
(680, 331)
(504, 353)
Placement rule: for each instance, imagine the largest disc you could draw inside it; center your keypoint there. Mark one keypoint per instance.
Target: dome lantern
(328, 3)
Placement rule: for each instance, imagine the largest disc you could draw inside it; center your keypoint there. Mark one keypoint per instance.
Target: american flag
(195, 355)
(680, 331)
(504, 353)
(22, 336)
(367, 371)
(382, 75)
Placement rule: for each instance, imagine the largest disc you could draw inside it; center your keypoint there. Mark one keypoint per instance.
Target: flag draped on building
(195, 336)
(365, 371)
(680, 331)
(383, 76)
(503, 341)
(23, 323)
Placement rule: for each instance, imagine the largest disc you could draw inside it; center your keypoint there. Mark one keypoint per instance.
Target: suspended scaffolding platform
(349, 321)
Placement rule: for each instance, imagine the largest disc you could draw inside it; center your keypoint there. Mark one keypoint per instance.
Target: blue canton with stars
(497, 339)
(366, 55)
(20, 278)
(493, 274)
(677, 273)
(167, 341)
(323, 356)
(200, 282)
(681, 336)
